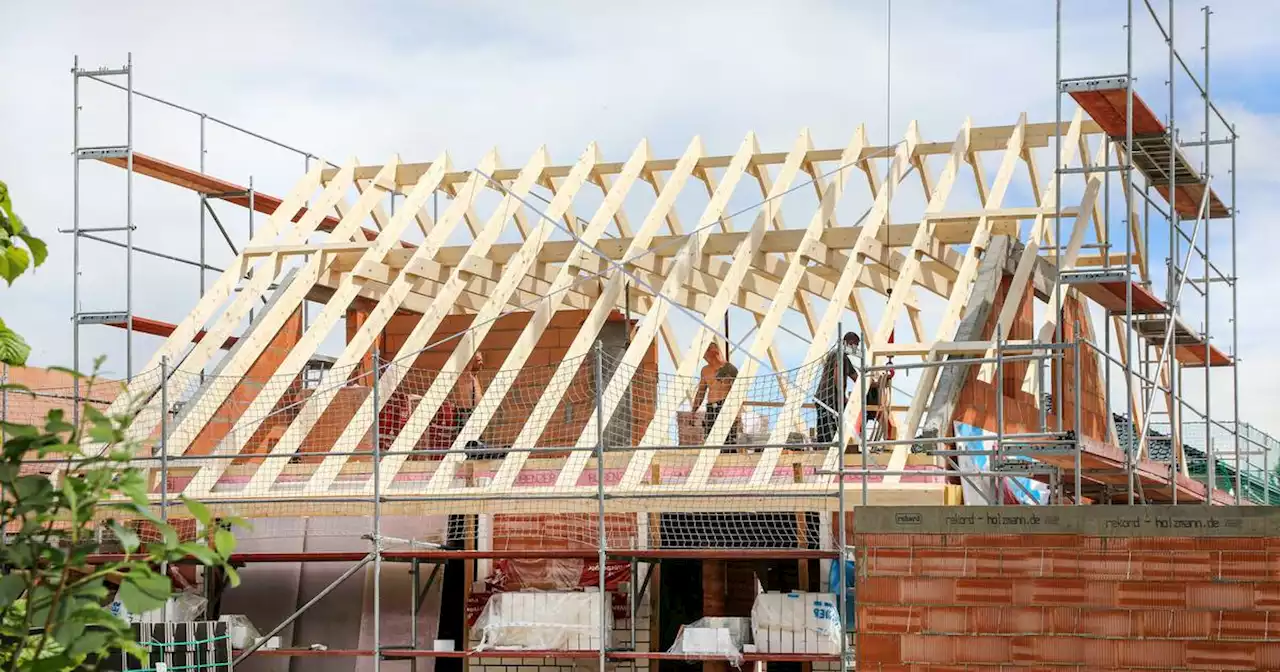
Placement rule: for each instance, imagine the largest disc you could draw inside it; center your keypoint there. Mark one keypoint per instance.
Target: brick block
(879, 648)
(1061, 562)
(944, 620)
(1267, 655)
(927, 590)
(1105, 623)
(1003, 562)
(1150, 653)
(930, 648)
(1006, 620)
(984, 591)
(1236, 543)
(1112, 564)
(1061, 620)
(944, 562)
(1171, 624)
(1051, 592)
(1100, 654)
(1211, 655)
(1150, 594)
(1243, 566)
(889, 561)
(985, 620)
(1034, 649)
(980, 650)
(1219, 596)
(1266, 595)
(890, 619)
(1229, 625)
(879, 590)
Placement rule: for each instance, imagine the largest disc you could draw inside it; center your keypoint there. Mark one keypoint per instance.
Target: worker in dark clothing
(837, 367)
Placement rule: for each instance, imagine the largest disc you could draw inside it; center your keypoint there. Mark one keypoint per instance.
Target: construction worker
(837, 366)
(719, 391)
(708, 390)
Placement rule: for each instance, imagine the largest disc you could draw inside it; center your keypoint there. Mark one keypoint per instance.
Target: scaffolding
(1157, 344)
(124, 156)
(618, 490)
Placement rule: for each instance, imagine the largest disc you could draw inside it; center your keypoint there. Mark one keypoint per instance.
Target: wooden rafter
(560, 262)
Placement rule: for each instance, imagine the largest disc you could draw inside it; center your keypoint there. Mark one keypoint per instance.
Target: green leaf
(14, 429)
(232, 575)
(11, 586)
(70, 372)
(128, 538)
(94, 641)
(32, 486)
(18, 262)
(15, 387)
(67, 631)
(143, 591)
(6, 202)
(103, 434)
(13, 349)
(200, 552)
(56, 663)
(200, 511)
(39, 251)
(60, 449)
(225, 542)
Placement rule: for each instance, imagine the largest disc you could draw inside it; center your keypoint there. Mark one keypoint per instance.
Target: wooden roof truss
(577, 252)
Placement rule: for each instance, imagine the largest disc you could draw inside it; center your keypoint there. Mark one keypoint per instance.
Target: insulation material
(542, 621)
(560, 574)
(720, 636)
(243, 633)
(980, 490)
(796, 623)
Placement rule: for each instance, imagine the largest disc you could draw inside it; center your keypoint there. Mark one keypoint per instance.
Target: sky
(373, 79)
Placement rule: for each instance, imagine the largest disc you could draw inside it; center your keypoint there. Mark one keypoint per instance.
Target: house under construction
(513, 406)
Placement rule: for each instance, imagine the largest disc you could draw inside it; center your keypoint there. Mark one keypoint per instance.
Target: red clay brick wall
(977, 404)
(530, 381)
(1086, 374)
(259, 374)
(1066, 601)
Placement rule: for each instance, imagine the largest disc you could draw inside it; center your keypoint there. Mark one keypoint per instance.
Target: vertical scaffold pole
(251, 207)
(1175, 389)
(999, 451)
(1235, 330)
(600, 526)
(377, 512)
(1212, 477)
(1079, 415)
(1129, 345)
(164, 438)
(841, 545)
(1057, 203)
(128, 223)
(75, 240)
(862, 421)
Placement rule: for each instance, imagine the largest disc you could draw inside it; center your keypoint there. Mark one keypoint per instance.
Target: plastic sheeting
(542, 621)
(796, 623)
(714, 636)
(980, 490)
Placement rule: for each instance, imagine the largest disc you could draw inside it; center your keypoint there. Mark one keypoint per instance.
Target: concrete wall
(1098, 588)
